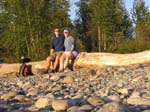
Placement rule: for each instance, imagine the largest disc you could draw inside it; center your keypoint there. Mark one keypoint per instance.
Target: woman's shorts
(75, 53)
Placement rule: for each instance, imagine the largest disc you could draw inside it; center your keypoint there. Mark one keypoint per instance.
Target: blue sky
(128, 4)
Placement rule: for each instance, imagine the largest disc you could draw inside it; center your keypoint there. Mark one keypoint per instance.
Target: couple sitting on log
(63, 48)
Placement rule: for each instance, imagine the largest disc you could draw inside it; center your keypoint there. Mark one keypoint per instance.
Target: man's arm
(52, 47)
(51, 51)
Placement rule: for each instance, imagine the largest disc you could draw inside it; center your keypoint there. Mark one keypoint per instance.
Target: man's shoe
(53, 71)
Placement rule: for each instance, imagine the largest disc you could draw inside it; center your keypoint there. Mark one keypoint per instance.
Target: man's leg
(56, 63)
(48, 62)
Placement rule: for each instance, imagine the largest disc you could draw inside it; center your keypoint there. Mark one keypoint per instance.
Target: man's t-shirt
(57, 43)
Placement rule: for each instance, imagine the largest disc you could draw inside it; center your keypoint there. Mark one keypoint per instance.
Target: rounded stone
(42, 102)
(74, 109)
(60, 105)
(68, 80)
(8, 95)
(95, 101)
(86, 107)
(112, 107)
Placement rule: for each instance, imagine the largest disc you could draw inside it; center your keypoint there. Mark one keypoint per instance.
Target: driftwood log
(96, 60)
(86, 60)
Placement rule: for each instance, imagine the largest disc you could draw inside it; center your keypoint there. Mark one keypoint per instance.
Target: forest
(26, 27)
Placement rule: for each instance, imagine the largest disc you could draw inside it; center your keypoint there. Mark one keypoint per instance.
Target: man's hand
(51, 51)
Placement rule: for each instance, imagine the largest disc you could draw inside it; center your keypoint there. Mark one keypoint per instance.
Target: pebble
(55, 77)
(19, 97)
(95, 101)
(112, 107)
(123, 91)
(59, 105)
(86, 108)
(113, 98)
(139, 101)
(8, 96)
(74, 109)
(68, 80)
(79, 91)
(42, 102)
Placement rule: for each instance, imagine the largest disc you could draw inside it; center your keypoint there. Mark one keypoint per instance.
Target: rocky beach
(108, 89)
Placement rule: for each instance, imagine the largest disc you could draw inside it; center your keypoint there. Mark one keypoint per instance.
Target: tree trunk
(85, 60)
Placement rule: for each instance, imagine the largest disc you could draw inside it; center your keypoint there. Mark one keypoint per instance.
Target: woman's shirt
(68, 44)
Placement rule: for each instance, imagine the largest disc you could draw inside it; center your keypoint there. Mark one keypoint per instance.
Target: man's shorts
(58, 53)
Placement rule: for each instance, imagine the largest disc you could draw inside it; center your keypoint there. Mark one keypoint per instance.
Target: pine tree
(82, 24)
(139, 14)
(27, 26)
(101, 23)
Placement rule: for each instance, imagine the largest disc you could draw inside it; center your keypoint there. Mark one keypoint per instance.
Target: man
(57, 48)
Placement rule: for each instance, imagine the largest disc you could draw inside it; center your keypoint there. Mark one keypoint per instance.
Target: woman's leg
(61, 63)
(68, 57)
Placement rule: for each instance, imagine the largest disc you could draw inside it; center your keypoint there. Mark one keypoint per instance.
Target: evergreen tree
(101, 23)
(27, 26)
(82, 24)
(139, 15)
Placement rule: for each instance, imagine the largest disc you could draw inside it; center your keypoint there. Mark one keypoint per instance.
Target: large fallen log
(96, 60)
(86, 60)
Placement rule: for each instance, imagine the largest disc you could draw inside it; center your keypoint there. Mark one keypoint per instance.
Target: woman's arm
(72, 44)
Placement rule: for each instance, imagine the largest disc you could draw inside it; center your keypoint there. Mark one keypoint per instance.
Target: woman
(70, 51)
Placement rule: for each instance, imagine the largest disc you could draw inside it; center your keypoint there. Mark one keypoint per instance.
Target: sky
(128, 5)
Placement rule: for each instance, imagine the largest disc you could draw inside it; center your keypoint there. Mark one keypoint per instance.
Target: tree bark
(85, 60)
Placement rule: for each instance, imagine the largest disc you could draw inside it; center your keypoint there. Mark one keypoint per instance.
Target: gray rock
(112, 107)
(95, 101)
(135, 95)
(68, 80)
(74, 109)
(42, 102)
(19, 97)
(112, 98)
(123, 91)
(32, 92)
(60, 105)
(86, 107)
(27, 86)
(55, 78)
(50, 96)
(8, 95)
(139, 101)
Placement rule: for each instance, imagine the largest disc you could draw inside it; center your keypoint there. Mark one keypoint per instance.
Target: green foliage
(108, 17)
(27, 26)
(105, 25)
(130, 46)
